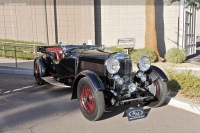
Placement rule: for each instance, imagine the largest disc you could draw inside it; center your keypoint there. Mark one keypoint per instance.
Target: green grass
(9, 41)
(25, 50)
(184, 82)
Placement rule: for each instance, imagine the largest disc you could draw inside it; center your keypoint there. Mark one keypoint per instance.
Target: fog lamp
(118, 80)
(143, 78)
(132, 87)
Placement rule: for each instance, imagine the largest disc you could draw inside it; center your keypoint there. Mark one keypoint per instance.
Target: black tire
(161, 92)
(91, 102)
(37, 73)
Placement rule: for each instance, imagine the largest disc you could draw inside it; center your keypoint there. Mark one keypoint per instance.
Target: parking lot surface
(28, 108)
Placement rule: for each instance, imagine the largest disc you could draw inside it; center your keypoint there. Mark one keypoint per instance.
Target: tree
(188, 2)
(150, 34)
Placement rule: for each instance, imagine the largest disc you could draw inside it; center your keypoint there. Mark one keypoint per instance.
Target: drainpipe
(97, 19)
(55, 21)
(46, 22)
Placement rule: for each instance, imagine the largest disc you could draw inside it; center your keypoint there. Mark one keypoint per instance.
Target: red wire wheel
(91, 100)
(87, 99)
(157, 89)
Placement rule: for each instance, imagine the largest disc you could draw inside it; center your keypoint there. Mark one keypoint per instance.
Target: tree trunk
(150, 34)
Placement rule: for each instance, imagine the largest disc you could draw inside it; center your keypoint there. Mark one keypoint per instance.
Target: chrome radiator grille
(125, 67)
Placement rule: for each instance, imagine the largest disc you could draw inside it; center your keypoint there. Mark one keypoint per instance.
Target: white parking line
(19, 89)
(6, 92)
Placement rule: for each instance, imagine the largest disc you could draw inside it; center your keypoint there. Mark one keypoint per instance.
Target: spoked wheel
(87, 99)
(37, 74)
(159, 90)
(91, 102)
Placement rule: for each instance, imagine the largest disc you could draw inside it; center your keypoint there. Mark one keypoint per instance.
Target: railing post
(3, 51)
(35, 50)
(15, 55)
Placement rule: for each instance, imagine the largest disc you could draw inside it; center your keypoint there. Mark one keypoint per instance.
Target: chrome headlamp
(112, 65)
(144, 63)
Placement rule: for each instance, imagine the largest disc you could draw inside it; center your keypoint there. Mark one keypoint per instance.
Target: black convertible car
(100, 78)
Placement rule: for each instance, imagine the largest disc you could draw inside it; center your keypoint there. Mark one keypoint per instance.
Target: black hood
(94, 53)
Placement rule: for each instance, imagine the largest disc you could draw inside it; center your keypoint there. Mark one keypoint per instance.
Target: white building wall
(123, 19)
(25, 20)
(126, 19)
(167, 25)
(198, 27)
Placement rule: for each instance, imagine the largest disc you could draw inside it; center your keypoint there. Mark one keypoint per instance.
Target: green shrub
(136, 54)
(185, 82)
(115, 49)
(175, 55)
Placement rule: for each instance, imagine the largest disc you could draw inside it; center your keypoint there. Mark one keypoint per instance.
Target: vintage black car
(100, 78)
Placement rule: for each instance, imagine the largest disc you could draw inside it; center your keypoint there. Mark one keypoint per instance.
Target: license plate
(135, 113)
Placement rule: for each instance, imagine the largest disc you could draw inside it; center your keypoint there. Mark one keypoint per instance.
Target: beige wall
(22, 20)
(25, 20)
(167, 26)
(75, 19)
(126, 19)
(123, 19)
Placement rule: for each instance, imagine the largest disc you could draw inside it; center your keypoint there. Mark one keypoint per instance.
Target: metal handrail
(15, 50)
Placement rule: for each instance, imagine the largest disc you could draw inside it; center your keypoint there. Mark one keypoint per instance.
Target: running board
(52, 81)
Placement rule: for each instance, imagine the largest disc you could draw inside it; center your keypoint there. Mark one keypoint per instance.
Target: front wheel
(159, 89)
(91, 101)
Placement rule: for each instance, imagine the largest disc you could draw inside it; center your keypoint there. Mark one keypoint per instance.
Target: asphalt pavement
(27, 107)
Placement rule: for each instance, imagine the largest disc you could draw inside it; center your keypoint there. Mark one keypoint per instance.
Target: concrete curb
(194, 108)
(182, 68)
(20, 72)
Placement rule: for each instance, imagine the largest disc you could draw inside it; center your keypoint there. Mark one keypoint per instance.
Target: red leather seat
(56, 51)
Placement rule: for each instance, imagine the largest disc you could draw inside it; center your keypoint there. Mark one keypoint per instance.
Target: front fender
(94, 79)
(159, 74)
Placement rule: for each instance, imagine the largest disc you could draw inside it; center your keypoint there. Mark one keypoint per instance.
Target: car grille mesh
(125, 67)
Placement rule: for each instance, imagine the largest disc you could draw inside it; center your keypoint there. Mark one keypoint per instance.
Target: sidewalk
(8, 66)
(195, 59)
(24, 64)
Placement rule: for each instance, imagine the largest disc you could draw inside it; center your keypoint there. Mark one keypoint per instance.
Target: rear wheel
(91, 102)
(159, 89)
(38, 74)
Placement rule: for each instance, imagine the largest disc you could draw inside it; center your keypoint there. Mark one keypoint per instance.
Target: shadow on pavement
(37, 104)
